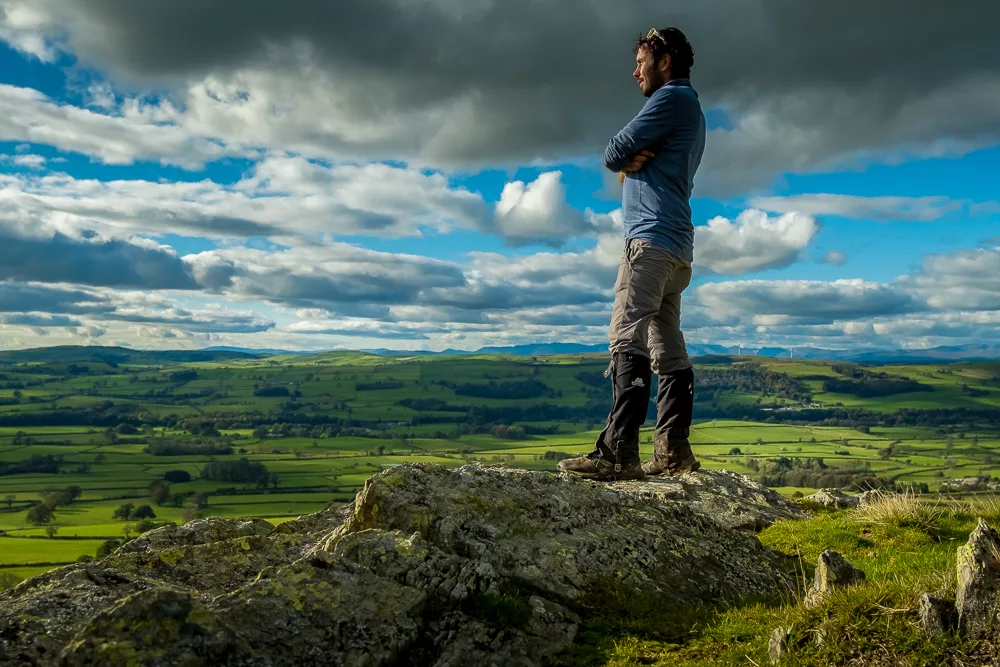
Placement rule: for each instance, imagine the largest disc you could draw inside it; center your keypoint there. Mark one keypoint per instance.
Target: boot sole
(694, 467)
(595, 477)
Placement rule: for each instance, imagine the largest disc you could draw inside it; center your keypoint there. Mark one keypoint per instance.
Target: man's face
(650, 75)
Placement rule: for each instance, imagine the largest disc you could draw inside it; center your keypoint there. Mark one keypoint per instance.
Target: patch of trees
(713, 360)
(242, 471)
(46, 464)
(177, 476)
(273, 392)
(751, 379)
(814, 473)
(594, 379)
(43, 512)
(505, 432)
(378, 385)
(873, 387)
(431, 405)
(129, 512)
(203, 427)
(183, 377)
(175, 448)
(509, 390)
(868, 384)
(975, 392)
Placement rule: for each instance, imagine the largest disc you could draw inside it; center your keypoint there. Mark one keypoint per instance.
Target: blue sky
(293, 186)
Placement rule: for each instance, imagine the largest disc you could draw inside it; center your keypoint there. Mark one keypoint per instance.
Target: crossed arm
(635, 164)
(627, 151)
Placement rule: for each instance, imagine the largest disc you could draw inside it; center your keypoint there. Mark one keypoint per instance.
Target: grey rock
(977, 597)
(832, 571)
(404, 574)
(937, 616)
(834, 498)
(777, 647)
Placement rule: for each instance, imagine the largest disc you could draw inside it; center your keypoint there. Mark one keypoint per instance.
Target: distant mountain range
(935, 354)
(120, 355)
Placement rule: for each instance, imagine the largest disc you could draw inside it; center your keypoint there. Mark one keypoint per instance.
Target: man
(656, 155)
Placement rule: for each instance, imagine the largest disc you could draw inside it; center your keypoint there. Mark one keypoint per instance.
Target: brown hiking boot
(670, 457)
(600, 470)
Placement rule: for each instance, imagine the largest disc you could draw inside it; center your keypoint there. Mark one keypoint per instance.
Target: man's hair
(674, 43)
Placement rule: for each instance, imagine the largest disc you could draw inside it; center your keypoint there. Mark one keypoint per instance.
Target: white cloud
(538, 212)
(136, 130)
(753, 242)
(964, 280)
(26, 161)
(21, 26)
(882, 209)
(834, 257)
(286, 197)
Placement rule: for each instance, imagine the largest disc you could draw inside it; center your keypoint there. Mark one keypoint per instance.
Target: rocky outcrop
(937, 616)
(978, 595)
(832, 571)
(474, 566)
(834, 498)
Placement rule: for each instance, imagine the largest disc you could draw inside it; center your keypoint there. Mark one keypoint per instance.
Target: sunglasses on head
(653, 32)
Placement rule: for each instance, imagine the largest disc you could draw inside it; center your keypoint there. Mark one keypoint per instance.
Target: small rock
(777, 648)
(978, 568)
(834, 498)
(937, 616)
(832, 571)
(821, 633)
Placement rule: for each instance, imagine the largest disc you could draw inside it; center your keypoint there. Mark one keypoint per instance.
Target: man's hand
(635, 164)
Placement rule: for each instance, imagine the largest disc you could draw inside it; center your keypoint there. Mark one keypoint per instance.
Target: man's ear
(665, 63)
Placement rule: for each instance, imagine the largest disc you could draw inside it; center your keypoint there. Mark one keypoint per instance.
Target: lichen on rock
(474, 566)
(978, 569)
(835, 499)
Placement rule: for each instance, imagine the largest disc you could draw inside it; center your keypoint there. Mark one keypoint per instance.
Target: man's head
(661, 55)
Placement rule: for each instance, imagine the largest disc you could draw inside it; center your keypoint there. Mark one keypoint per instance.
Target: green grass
(904, 554)
(18, 551)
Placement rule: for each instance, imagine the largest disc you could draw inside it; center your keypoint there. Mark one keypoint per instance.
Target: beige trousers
(646, 319)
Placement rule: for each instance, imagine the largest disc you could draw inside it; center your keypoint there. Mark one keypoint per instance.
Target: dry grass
(906, 510)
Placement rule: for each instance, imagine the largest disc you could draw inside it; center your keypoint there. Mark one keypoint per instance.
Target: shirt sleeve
(656, 119)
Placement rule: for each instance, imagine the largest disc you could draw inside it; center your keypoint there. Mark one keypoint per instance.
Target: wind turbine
(740, 346)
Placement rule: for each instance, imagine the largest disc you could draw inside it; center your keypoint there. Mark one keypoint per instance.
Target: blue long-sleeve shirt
(656, 199)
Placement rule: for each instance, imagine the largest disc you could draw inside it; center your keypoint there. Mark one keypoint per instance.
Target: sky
(426, 174)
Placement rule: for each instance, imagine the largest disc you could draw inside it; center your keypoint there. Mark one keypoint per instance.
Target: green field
(320, 425)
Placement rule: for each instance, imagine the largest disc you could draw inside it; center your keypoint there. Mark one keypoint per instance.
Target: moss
(170, 556)
(508, 609)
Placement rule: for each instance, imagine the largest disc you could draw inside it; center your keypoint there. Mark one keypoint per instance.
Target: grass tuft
(904, 510)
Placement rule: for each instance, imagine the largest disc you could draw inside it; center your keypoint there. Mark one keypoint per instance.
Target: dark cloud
(39, 320)
(20, 298)
(106, 263)
(805, 84)
(201, 322)
(778, 302)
